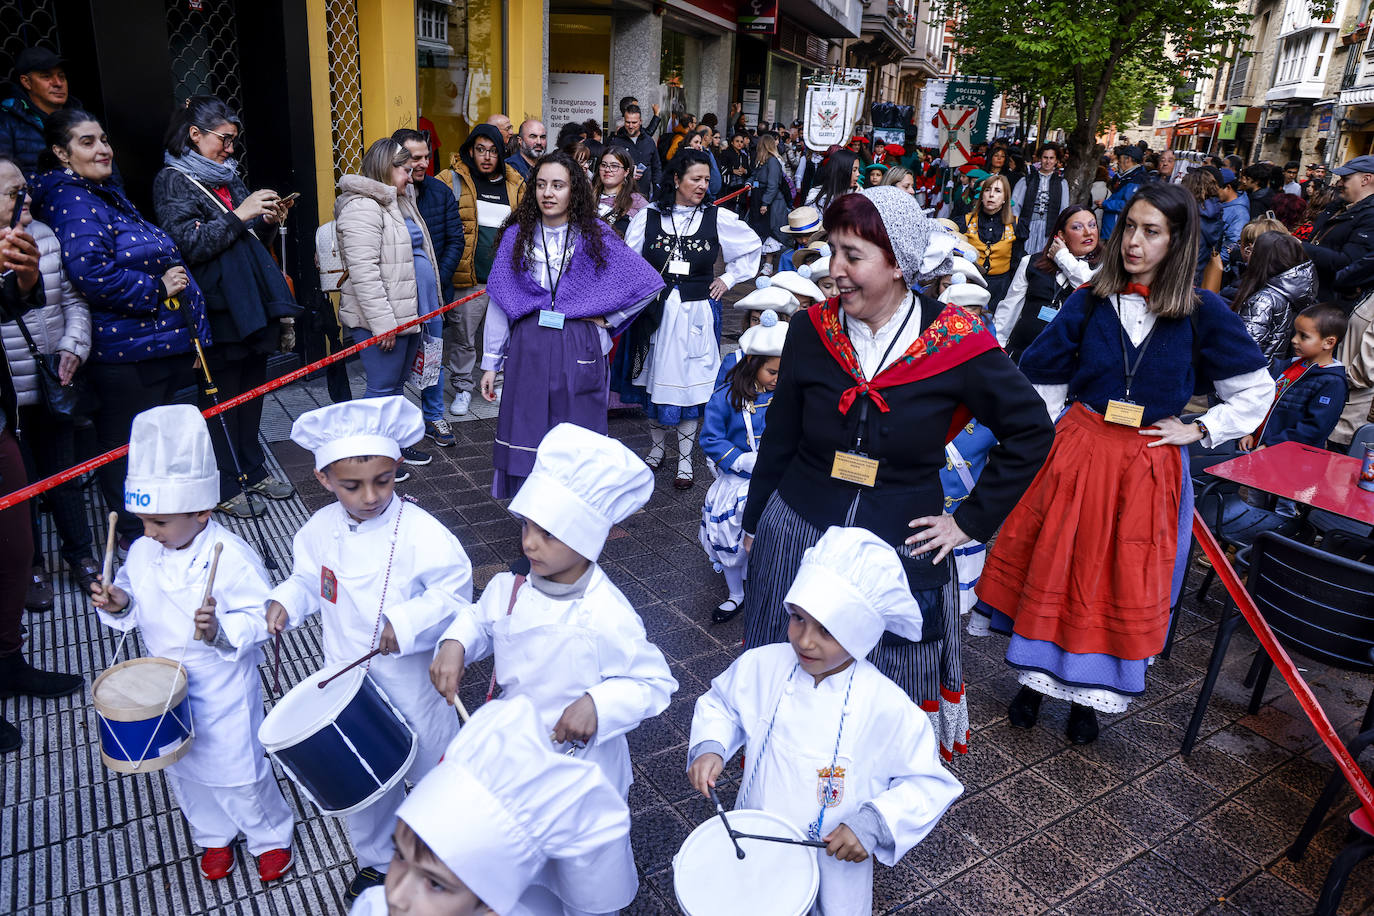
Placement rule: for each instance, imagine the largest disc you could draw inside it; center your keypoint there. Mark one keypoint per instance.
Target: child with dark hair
(1310, 394)
(730, 438)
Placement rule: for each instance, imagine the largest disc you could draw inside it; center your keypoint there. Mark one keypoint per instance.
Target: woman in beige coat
(389, 263)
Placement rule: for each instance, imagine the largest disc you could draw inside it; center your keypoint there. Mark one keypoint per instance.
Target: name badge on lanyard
(855, 467)
(679, 268)
(1124, 411)
(548, 318)
(1047, 313)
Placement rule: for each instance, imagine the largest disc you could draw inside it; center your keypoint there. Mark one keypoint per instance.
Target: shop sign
(749, 105)
(1324, 121)
(1231, 122)
(1273, 125)
(980, 94)
(575, 97)
(758, 16)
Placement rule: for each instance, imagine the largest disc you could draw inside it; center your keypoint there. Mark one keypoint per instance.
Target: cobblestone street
(1164, 834)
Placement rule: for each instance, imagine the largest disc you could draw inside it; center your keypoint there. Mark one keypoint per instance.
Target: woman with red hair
(873, 384)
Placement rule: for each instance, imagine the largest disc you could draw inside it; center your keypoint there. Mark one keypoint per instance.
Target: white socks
(658, 436)
(686, 434)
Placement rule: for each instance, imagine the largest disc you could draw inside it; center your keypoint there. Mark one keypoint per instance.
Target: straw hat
(804, 256)
(802, 221)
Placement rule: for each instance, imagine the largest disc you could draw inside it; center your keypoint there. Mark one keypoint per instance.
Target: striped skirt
(929, 672)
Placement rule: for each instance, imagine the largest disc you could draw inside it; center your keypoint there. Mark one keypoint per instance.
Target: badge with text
(679, 268)
(548, 318)
(853, 467)
(1047, 312)
(1124, 413)
(329, 586)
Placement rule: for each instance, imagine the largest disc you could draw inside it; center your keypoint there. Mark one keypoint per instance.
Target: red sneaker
(274, 863)
(217, 863)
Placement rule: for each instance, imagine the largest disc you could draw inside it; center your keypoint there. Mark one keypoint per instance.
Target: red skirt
(1086, 559)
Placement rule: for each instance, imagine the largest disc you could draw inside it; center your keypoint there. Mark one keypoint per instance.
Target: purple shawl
(625, 285)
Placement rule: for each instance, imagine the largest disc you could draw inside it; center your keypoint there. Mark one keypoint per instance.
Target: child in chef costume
(830, 744)
(765, 298)
(501, 808)
(567, 638)
(224, 784)
(382, 573)
(730, 436)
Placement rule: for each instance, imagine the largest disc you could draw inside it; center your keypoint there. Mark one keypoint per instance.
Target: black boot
(10, 741)
(1025, 709)
(1082, 724)
(19, 678)
(366, 878)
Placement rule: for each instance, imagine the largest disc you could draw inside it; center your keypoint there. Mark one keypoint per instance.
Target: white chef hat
(767, 296)
(765, 338)
(854, 585)
(967, 294)
(797, 285)
(171, 463)
(353, 429)
(963, 265)
(582, 485)
(818, 269)
(521, 804)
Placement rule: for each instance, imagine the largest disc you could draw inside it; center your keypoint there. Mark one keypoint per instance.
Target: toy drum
(144, 713)
(344, 745)
(773, 879)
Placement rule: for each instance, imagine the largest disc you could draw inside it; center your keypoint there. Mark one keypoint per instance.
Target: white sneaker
(461, 402)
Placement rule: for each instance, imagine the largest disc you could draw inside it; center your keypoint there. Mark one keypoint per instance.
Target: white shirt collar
(870, 345)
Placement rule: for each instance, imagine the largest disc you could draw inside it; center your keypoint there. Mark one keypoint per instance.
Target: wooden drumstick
(108, 569)
(462, 710)
(209, 587)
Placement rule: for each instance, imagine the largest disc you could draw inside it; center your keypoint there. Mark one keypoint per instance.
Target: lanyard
(676, 250)
(1131, 368)
(548, 266)
(882, 363)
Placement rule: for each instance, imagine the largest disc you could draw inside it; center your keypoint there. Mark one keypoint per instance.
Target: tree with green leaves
(1102, 63)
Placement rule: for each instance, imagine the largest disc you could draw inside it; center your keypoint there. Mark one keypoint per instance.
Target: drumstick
(209, 587)
(462, 710)
(276, 664)
(819, 844)
(349, 666)
(720, 809)
(108, 569)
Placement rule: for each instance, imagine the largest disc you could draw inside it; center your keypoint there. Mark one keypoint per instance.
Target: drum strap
(514, 590)
(381, 605)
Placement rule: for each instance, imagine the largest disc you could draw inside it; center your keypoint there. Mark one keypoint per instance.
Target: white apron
(684, 355)
(722, 515)
(226, 695)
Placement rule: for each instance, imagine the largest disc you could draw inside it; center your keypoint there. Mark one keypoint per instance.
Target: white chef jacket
(429, 580)
(165, 588)
(887, 750)
(553, 650)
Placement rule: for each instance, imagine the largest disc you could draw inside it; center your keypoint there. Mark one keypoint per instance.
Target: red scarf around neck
(954, 337)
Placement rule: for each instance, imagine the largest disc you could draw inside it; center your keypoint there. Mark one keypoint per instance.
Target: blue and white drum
(776, 879)
(345, 745)
(144, 713)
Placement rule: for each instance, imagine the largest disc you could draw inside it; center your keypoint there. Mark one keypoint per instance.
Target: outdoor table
(1315, 476)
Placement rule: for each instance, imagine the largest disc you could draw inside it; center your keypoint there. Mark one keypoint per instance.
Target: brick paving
(1123, 826)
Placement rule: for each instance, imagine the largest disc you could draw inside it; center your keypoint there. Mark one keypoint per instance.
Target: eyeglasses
(611, 167)
(17, 192)
(227, 139)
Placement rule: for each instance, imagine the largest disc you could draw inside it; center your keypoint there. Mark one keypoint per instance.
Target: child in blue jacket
(730, 436)
(1310, 395)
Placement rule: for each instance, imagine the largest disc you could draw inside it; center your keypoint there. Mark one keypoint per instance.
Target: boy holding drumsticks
(830, 743)
(383, 574)
(224, 784)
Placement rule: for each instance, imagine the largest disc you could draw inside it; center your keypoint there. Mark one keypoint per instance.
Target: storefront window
(458, 45)
(672, 71)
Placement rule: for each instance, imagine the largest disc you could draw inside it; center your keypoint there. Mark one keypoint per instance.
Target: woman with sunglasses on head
(1086, 567)
(225, 232)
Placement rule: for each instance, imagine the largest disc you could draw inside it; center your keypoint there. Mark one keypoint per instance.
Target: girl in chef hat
(730, 438)
(830, 743)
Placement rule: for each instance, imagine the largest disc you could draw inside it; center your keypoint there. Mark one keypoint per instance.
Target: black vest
(1028, 202)
(699, 250)
(1042, 289)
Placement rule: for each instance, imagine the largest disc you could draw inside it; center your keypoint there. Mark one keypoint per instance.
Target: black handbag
(66, 402)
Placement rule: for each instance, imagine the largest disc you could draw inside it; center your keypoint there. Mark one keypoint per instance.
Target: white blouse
(740, 245)
(1072, 270)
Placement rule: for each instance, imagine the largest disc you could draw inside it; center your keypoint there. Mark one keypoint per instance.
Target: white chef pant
(218, 814)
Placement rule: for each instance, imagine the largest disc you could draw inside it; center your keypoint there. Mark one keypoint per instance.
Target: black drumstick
(819, 844)
(715, 799)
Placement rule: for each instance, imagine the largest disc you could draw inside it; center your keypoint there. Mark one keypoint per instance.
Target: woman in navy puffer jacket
(144, 306)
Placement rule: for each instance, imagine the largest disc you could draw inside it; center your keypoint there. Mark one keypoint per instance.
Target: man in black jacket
(445, 225)
(642, 150)
(20, 290)
(1344, 233)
